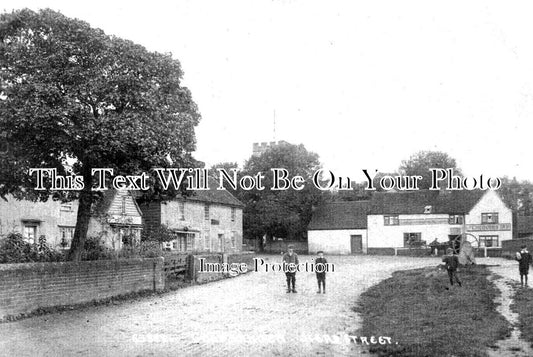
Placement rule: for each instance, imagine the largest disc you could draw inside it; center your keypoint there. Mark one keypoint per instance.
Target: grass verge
(522, 303)
(424, 318)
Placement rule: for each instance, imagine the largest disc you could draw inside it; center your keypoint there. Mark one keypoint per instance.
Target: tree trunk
(82, 221)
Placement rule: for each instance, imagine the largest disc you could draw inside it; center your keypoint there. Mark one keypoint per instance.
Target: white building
(412, 219)
(339, 228)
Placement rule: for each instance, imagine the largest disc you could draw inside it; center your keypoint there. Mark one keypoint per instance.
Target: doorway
(356, 243)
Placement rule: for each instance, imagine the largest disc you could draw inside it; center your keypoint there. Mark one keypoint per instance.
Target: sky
(363, 84)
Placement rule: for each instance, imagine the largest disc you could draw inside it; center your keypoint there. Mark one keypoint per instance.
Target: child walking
(451, 262)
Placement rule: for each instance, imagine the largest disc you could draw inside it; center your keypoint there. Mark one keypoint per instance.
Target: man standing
(290, 261)
(524, 260)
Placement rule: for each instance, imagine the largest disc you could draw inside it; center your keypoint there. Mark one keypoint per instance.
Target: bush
(14, 249)
(95, 249)
(159, 234)
(148, 249)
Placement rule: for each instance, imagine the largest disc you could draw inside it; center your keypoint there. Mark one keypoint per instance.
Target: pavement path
(250, 315)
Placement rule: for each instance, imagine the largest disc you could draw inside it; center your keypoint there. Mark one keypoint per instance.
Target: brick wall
(243, 257)
(28, 287)
(204, 277)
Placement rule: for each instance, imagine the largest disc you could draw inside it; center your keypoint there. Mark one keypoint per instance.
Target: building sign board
(488, 227)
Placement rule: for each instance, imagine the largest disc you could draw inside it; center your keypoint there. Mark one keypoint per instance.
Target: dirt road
(250, 315)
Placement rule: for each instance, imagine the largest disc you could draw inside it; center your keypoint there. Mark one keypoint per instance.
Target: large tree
(420, 163)
(74, 98)
(280, 213)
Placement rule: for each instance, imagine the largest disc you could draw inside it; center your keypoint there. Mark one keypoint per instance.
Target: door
(356, 242)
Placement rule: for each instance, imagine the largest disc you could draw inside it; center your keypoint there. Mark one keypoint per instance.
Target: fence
(185, 266)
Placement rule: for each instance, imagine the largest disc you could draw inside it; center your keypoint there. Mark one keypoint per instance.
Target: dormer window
(427, 209)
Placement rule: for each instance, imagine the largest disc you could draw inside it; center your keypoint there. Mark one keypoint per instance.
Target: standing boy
(320, 269)
(290, 259)
(451, 263)
(524, 260)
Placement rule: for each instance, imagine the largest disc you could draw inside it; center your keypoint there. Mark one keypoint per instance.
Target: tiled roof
(213, 195)
(524, 224)
(415, 202)
(353, 214)
(340, 215)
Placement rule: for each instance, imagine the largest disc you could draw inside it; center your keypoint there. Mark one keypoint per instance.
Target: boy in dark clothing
(320, 269)
(290, 258)
(524, 260)
(451, 263)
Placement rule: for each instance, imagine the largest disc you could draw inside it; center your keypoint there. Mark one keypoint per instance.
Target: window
(181, 210)
(184, 242)
(180, 243)
(489, 241)
(233, 239)
(233, 214)
(30, 232)
(489, 218)
(391, 220)
(206, 212)
(66, 207)
(427, 209)
(190, 241)
(206, 241)
(123, 205)
(412, 239)
(66, 234)
(455, 219)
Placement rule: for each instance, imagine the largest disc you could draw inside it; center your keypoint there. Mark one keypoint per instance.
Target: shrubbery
(14, 249)
(95, 249)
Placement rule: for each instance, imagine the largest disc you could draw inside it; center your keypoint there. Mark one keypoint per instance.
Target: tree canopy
(74, 98)
(517, 195)
(283, 213)
(420, 163)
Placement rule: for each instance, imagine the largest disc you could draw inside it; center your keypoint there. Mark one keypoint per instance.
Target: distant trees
(284, 213)
(517, 195)
(420, 163)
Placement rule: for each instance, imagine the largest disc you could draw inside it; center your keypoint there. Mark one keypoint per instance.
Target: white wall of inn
(428, 227)
(383, 236)
(490, 203)
(334, 241)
